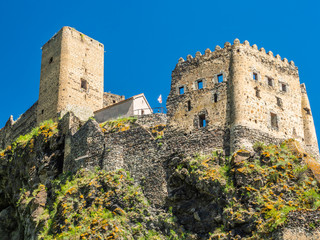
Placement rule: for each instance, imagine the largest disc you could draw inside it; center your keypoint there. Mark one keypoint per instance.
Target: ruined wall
(21, 126)
(110, 99)
(252, 93)
(71, 75)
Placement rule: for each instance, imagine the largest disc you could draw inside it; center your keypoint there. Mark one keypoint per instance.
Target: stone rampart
(23, 125)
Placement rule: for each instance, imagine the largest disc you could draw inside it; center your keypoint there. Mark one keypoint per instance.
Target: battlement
(208, 54)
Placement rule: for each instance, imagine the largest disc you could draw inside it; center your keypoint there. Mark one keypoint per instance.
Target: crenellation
(217, 48)
(254, 46)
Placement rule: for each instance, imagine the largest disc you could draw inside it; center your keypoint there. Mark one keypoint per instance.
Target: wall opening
(308, 111)
(202, 121)
(270, 81)
(284, 87)
(84, 84)
(220, 78)
(189, 105)
(279, 101)
(274, 120)
(255, 76)
(257, 92)
(215, 97)
(181, 90)
(42, 111)
(199, 84)
(51, 60)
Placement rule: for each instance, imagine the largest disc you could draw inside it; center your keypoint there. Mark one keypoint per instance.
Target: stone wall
(241, 88)
(110, 99)
(21, 126)
(71, 75)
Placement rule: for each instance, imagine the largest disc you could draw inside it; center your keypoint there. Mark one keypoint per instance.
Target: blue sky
(144, 39)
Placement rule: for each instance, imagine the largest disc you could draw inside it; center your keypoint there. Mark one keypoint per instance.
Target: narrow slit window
(274, 120)
(255, 76)
(257, 92)
(51, 60)
(189, 105)
(200, 84)
(270, 82)
(279, 102)
(181, 90)
(215, 97)
(84, 84)
(220, 78)
(202, 120)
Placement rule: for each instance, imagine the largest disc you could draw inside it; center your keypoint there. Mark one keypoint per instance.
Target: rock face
(154, 183)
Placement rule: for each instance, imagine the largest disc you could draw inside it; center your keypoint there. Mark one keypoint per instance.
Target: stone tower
(239, 95)
(71, 79)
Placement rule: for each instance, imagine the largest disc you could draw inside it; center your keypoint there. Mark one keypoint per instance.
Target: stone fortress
(227, 99)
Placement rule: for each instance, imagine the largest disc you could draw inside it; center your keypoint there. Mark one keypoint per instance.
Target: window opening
(84, 84)
(220, 78)
(215, 97)
(181, 90)
(308, 111)
(255, 76)
(51, 60)
(279, 102)
(189, 105)
(114, 101)
(283, 87)
(270, 82)
(200, 84)
(257, 92)
(42, 111)
(274, 120)
(202, 120)
(142, 111)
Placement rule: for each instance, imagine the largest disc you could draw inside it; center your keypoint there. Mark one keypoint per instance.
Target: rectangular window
(279, 102)
(220, 78)
(270, 82)
(181, 90)
(202, 120)
(189, 105)
(84, 84)
(283, 87)
(255, 76)
(257, 92)
(215, 97)
(200, 84)
(274, 120)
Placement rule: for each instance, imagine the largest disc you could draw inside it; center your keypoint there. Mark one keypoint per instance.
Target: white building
(134, 106)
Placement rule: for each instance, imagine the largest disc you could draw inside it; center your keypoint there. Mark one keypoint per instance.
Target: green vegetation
(118, 125)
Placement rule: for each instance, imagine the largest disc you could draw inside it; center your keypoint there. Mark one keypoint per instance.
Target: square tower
(71, 76)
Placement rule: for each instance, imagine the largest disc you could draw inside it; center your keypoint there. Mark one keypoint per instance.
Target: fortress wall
(211, 100)
(13, 129)
(254, 112)
(110, 99)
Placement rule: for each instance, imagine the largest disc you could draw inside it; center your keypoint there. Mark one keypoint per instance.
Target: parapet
(228, 46)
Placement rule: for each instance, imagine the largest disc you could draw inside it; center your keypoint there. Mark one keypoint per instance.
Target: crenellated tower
(243, 93)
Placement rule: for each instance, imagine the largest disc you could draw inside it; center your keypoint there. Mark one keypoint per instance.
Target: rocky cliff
(136, 179)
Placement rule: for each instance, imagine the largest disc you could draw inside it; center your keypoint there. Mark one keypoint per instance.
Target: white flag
(160, 99)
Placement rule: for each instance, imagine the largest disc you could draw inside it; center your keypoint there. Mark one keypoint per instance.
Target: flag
(160, 99)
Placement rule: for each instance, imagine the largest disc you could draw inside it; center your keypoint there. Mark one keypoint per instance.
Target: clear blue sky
(144, 39)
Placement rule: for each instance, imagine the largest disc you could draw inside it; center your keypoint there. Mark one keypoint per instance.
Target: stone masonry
(250, 94)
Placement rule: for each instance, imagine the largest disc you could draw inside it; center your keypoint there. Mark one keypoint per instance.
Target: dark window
(220, 78)
(308, 111)
(270, 82)
(142, 112)
(114, 101)
(257, 92)
(51, 60)
(283, 87)
(189, 105)
(200, 84)
(274, 120)
(255, 76)
(202, 120)
(181, 90)
(215, 97)
(42, 111)
(84, 84)
(279, 102)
